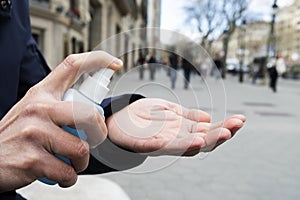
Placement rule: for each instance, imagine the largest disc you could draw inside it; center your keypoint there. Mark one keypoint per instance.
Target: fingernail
(117, 63)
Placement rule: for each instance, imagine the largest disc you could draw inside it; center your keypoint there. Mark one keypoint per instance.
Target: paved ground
(261, 162)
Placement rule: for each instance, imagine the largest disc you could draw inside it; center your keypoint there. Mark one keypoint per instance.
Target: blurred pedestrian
(280, 65)
(219, 66)
(205, 66)
(141, 64)
(258, 73)
(273, 74)
(173, 61)
(152, 65)
(276, 68)
(187, 68)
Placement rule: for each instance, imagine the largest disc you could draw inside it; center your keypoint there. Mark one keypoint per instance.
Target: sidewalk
(86, 188)
(260, 162)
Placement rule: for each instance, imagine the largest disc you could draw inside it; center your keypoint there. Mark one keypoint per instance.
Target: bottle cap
(95, 87)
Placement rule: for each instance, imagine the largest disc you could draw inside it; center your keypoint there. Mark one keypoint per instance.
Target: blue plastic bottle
(92, 91)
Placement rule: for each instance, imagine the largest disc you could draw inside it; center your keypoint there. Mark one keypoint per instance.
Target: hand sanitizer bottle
(92, 91)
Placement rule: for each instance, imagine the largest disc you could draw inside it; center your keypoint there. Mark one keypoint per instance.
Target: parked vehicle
(233, 66)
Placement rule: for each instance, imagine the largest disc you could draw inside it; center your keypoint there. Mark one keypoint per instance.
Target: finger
(69, 146)
(82, 117)
(199, 127)
(214, 137)
(196, 115)
(56, 170)
(180, 146)
(69, 71)
(191, 114)
(241, 117)
(231, 123)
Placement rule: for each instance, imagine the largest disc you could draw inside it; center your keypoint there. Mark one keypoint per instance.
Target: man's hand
(30, 133)
(158, 127)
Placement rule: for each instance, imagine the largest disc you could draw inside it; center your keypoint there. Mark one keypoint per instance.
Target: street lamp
(225, 49)
(242, 50)
(272, 38)
(275, 9)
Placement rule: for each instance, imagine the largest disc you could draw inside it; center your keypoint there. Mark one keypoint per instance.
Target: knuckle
(69, 62)
(82, 150)
(31, 109)
(68, 174)
(104, 132)
(30, 132)
(32, 91)
(70, 59)
(30, 161)
(93, 115)
(49, 108)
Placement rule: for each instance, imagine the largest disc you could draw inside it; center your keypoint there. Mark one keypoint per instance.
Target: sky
(173, 16)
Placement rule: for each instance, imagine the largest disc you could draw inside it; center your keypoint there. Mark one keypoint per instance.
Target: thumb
(70, 70)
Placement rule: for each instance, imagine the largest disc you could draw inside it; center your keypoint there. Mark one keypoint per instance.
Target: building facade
(65, 27)
(249, 41)
(286, 36)
(154, 16)
(59, 27)
(112, 17)
(288, 32)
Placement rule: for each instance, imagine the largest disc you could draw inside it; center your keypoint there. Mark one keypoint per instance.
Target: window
(74, 8)
(41, 3)
(38, 35)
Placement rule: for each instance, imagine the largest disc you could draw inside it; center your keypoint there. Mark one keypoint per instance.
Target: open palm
(158, 127)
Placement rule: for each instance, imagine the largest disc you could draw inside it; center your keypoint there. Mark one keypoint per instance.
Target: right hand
(30, 132)
(158, 127)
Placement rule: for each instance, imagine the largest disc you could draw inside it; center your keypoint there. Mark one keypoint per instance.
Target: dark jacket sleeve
(110, 157)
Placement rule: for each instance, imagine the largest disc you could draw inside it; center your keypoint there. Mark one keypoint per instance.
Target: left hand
(31, 134)
(158, 127)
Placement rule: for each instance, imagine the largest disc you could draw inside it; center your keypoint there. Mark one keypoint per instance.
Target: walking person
(152, 64)
(173, 61)
(205, 67)
(273, 74)
(219, 66)
(141, 64)
(186, 66)
(277, 68)
(280, 65)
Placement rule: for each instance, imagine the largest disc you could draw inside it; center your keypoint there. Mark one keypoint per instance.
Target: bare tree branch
(212, 16)
(205, 14)
(233, 11)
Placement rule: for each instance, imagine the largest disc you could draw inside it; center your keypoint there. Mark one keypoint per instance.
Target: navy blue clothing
(22, 66)
(21, 62)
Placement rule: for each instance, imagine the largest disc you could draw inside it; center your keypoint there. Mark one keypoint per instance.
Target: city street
(261, 162)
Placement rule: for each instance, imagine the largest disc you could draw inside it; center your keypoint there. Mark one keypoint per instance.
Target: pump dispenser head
(95, 87)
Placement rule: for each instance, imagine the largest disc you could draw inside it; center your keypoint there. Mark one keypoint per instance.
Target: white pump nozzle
(95, 87)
